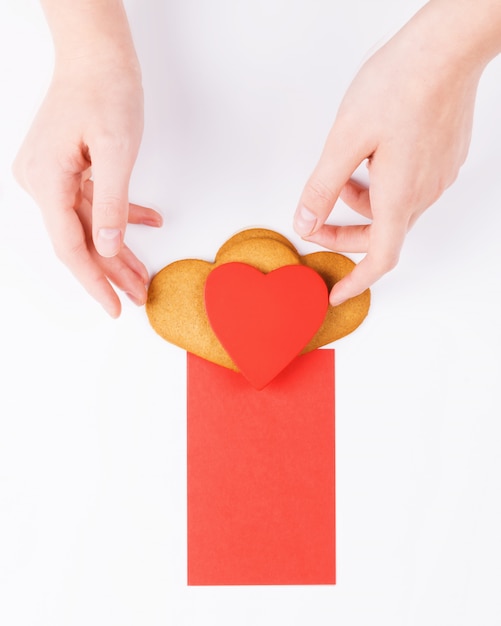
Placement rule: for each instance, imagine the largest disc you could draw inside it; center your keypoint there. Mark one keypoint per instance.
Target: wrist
(86, 32)
(461, 33)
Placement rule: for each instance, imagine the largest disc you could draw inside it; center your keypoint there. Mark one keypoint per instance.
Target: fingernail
(336, 300)
(304, 221)
(108, 241)
(155, 223)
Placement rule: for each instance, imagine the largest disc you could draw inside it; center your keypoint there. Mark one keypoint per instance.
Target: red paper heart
(264, 320)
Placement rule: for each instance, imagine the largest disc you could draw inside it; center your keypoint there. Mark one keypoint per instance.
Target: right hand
(409, 112)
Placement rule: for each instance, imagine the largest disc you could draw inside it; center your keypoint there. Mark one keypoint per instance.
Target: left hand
(124, 270)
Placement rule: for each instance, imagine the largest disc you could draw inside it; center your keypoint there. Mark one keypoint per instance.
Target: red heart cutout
(264, 320)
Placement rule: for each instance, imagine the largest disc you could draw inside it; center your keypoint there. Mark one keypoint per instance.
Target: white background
(239, 99)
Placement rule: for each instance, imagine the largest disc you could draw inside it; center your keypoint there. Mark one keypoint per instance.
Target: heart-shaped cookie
(176, 305)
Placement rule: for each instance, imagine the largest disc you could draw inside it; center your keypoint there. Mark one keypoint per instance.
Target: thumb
(110, 205)
(339, 159)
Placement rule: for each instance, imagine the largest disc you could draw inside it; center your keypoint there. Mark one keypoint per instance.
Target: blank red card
(261, 488)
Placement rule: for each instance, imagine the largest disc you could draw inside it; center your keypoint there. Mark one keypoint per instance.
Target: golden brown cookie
(176, 308)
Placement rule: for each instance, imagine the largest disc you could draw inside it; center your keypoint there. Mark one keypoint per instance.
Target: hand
(408, 112)
(92, 115)
(124, 269)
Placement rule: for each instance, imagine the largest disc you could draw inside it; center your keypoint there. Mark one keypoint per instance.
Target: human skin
(409, 112)
(91, 117)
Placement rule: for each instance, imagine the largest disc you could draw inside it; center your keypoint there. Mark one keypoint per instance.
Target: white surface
(240, 96)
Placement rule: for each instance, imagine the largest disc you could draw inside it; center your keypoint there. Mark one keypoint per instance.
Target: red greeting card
(261, 490)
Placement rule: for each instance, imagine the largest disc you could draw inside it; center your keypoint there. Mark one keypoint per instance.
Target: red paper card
(261, 489)
(264, 320)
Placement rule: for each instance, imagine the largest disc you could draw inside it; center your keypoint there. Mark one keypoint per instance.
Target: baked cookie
(176, 305)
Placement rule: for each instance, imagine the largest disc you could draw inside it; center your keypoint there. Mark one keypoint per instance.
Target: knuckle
(112, 144)
(437, 187)
(68, 252)
(25, 171)
(108, 205)
(386, 262)
(318, 193)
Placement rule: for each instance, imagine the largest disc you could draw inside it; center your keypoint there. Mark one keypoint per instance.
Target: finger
(354, 238)
(68, 237)
(370, 269)
(128, 274)
(110, 206)
(357, 197)
(137, 214)
(133, 264)
(128, 261)
(143, 215)
(395, 201)
(340, 158)
(70, 245)
(386, 237)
